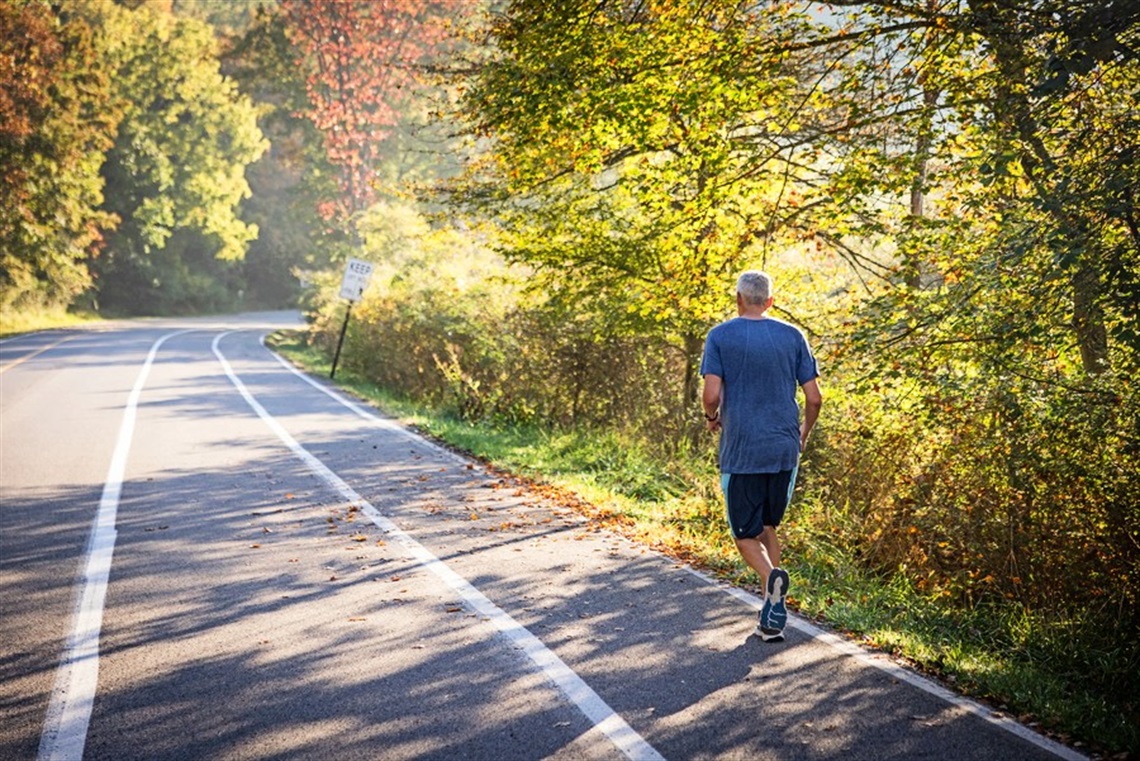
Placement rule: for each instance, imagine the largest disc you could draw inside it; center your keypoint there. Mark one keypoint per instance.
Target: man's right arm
(710, 400)
(813, 400)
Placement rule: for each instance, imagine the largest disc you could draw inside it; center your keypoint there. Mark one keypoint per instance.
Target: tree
(57, 117)
(289, 181)
(1022, 108)
(175, 175)
(650, 149)
(361, 61)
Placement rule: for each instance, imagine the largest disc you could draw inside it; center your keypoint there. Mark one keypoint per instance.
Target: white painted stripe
(878, 661)
(73, 695)
(573, 686)
(364, 412)
(884, 663)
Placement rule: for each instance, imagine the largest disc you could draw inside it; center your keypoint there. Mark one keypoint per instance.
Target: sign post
(357, 273)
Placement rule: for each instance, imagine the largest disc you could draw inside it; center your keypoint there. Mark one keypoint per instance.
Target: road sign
(357, 273)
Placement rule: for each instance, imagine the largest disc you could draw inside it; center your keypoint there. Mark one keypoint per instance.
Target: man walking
(752, 365)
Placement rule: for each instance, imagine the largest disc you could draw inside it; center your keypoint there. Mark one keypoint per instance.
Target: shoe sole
(770, 635)
(777, 589)
(778, 582)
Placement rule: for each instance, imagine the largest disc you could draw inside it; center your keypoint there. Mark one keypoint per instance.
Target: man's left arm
(813, 400)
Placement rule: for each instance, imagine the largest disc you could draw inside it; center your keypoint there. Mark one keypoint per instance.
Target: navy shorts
(756, 500)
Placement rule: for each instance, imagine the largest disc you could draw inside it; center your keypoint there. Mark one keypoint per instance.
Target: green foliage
(1015, 137)
(57, 117)
(651, 150)
(443, 322)
(175, 175)
(30, 319)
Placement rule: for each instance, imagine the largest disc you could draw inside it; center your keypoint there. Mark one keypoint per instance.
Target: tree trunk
(998, 24)
(690, 393)
(1088, 318)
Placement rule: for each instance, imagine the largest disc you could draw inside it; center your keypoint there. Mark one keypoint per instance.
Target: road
(205, 554)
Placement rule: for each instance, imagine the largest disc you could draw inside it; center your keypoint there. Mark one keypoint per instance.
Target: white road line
(880, 662)
(364, 412)
(883, 663)
(73, 695)
(573, 686)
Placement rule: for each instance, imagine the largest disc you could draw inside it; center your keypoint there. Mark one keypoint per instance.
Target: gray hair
(754, 286)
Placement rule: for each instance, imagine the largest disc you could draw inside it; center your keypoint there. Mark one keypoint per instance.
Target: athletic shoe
(777, 591)
(765, 621)
(770, 635)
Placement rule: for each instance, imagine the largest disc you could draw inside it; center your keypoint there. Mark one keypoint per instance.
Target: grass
(1023, 665)
(14, 322)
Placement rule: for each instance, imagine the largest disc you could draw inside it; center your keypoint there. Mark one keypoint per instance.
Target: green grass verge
(13, 322)
(1033, 669)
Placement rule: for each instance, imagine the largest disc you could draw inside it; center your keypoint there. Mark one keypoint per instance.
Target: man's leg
(776, 585)
(761, 553)
(772, 544)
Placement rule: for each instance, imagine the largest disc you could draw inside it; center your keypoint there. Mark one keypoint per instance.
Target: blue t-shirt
(761, 362)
